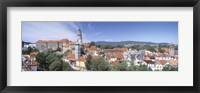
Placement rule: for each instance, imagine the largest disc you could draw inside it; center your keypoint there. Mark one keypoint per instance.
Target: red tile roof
(32, 63)
(118, 55)
(114, 62)
(52, 41)
(72, 43)
(33, 54)
(147, 59)
(86, 46)
(64, 40)
(165, 49)
(163, 62)
(93, 48)
(71, 56)
(173, 62)
(82, 59)
(122, 49)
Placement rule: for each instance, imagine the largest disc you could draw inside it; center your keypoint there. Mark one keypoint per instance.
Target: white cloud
(90, 27)
(97, 33)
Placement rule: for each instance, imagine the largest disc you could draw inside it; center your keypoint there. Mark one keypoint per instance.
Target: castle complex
(63, 44)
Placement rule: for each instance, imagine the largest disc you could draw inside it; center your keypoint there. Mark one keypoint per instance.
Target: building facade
(43, 45)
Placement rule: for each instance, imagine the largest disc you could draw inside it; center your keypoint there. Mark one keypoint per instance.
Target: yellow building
(81, 62)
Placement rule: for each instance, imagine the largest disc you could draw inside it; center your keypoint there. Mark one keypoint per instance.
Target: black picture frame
(99, 3)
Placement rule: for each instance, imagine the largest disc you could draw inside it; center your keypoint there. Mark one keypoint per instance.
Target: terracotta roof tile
(82, 59)
(72, 43)
(165, 49)
(163, 62)
(93, 48)
(86, 46)
(173, 62)
(52, 41)
(71, 56)
(118, 55)
(122, 49)
(64, 40)
(147, 59)
(32, 63)
(114, 62)
(33, 54)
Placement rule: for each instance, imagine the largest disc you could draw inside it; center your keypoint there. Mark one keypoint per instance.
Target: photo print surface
(99, 46)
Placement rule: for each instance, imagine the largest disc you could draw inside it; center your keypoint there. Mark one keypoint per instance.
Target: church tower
(171, 50)
(79, 37)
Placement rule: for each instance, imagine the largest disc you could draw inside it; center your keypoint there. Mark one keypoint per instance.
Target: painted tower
(79, 37)
(77, 51)
(77, 46)
(171, 50)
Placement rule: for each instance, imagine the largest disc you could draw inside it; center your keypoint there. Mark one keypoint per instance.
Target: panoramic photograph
(99, 46)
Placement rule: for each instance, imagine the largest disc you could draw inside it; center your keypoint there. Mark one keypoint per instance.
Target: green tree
(58, 49)
(41, 59)
(58, 54)
(106, 47)
(149, 69)
(104, 66)
(88, 62)
(92, 43)
(131, 67)
(24, 52)
(67, 52)
(99, 64)
(143, 68)
(35, 50)
(169, 68)
(136, 68)
(55, 66)
(120, 67)
(150, 49)
(67, 67)
(27, 51)
(51, 58)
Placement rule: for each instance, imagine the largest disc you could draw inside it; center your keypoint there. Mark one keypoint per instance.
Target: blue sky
(101, 31)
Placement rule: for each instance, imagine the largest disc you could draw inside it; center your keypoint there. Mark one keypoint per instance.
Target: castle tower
(77, 51)
(79, 37)
(77, 46)
(171, 50)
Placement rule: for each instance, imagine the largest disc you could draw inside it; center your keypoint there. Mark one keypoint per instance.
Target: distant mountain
(126, 43)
